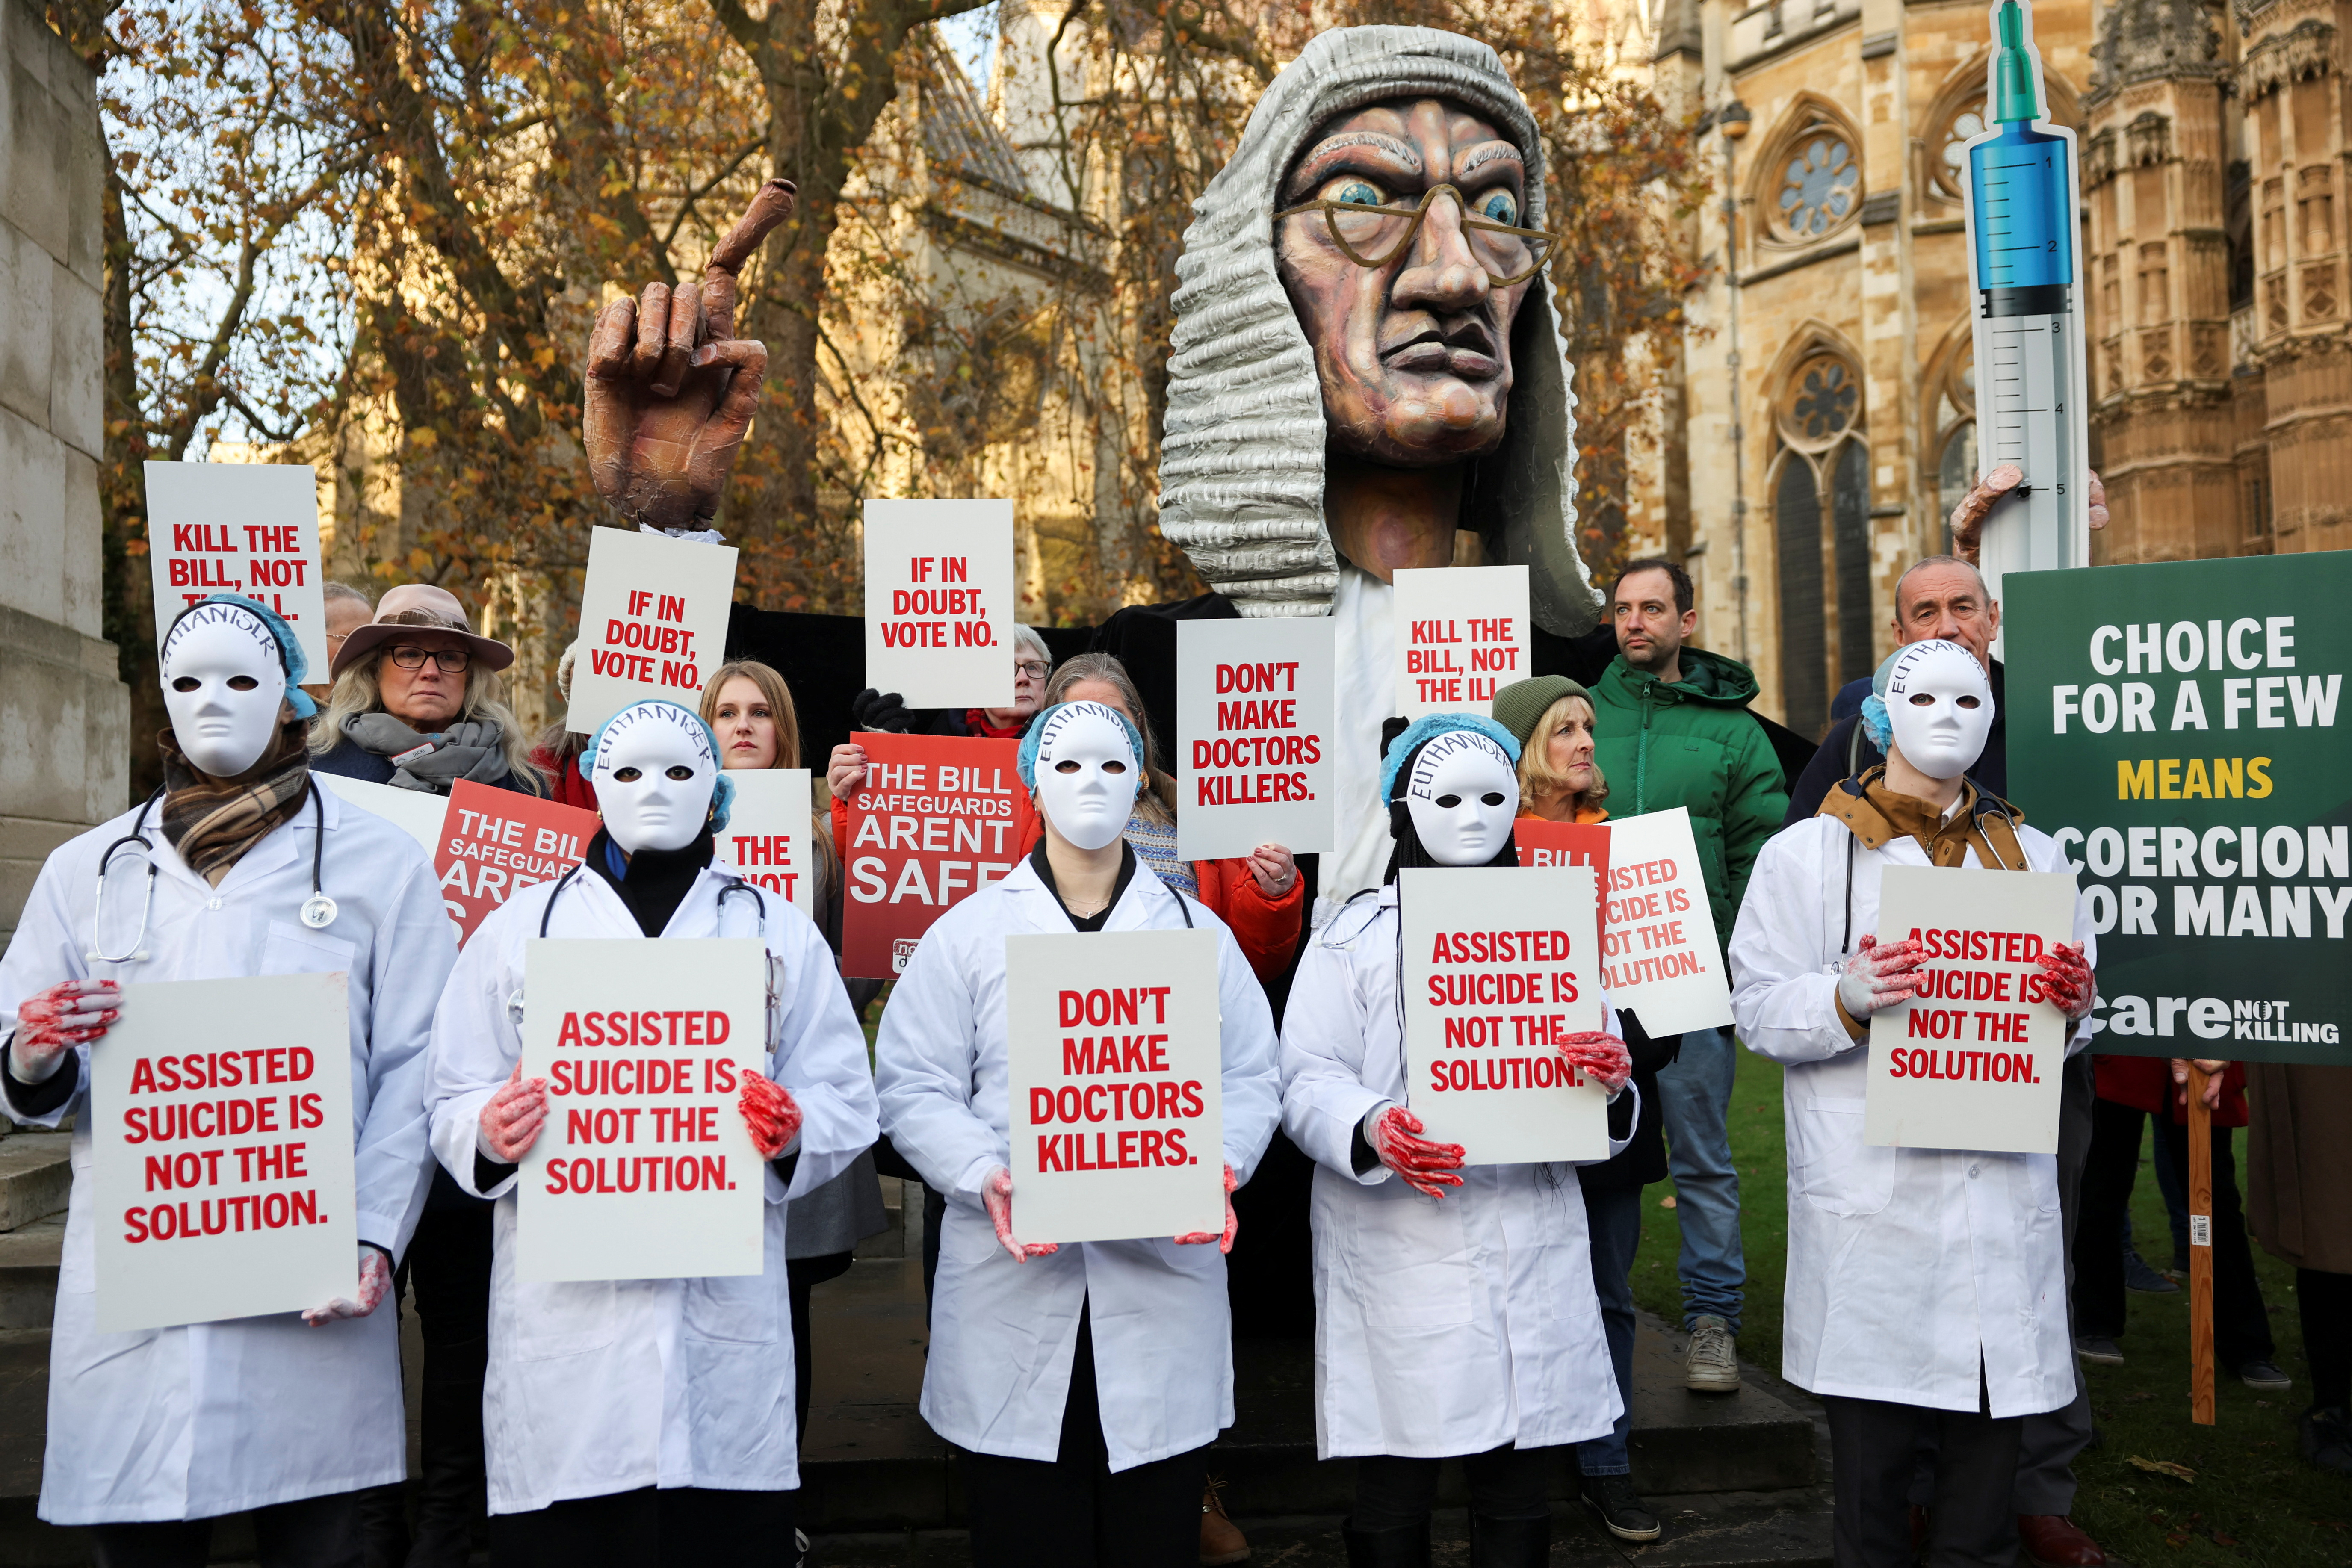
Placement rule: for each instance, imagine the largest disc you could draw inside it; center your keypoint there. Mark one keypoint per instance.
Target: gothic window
(1820, 185)
(1821, 532)
(1950, 171)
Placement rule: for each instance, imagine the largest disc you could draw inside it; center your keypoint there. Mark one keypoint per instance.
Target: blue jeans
(1615, 1222)
(1695, 1094)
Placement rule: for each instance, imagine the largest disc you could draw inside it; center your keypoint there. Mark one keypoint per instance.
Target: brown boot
(1222, 1541)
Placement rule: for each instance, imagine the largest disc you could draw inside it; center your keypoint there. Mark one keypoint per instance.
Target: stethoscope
(734, 884)
(318, 910)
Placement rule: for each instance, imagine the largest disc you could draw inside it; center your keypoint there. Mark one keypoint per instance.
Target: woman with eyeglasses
(417, 704)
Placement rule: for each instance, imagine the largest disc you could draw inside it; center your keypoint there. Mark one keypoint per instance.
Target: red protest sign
(496, 842)
(939, 818)
(1545, 843)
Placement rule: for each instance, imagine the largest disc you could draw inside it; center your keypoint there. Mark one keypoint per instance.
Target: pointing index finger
(770, 207)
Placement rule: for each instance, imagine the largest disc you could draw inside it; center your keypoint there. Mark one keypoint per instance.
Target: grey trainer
(1711, 1366)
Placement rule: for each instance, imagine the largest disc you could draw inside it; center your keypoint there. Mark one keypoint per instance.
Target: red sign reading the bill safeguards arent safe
(939, 818)
(496, 842)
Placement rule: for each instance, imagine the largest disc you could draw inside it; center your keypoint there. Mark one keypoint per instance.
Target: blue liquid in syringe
(2025, 232)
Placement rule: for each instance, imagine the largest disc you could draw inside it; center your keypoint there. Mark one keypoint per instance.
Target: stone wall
(63, 759)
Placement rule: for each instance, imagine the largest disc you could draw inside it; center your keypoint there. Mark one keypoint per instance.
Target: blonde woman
(417, 702)
(750, 709)
(1553, 718)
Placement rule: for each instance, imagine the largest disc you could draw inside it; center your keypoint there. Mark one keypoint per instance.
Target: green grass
(2254, 1501)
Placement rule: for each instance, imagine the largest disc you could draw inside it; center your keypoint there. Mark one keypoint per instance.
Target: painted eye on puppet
(1499, 206)
(1355, 192)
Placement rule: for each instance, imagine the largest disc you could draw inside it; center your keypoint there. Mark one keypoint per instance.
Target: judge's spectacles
(1375, 235)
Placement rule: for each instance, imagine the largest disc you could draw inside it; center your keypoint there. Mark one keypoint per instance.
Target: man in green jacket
(1671, 728)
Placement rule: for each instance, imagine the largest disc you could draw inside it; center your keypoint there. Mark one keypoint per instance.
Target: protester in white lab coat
(646, 1421)
(1454, 1309)
(239, 865)
(1926, 1289)
(1081, 1382)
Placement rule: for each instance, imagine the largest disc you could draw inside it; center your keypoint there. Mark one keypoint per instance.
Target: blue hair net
(1876, 723)
(1035, 737)
(289, 647)
(1428, 727)
(722, 799)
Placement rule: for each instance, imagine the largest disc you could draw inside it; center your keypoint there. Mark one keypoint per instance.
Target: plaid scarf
(213, 821)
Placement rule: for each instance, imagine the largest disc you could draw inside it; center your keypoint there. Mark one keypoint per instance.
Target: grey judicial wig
(1240, 467)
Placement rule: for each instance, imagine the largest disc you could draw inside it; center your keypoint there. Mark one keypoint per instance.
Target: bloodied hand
(1879, 975)
(1424, 1166)
(1223, 1239)
(51, 1023)
(375, 1285)
(1600, 1056)
(2068, 981)
(996, 1196)
(770, 1113)
(512, 1120)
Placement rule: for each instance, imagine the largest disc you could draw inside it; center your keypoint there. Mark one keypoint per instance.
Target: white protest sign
(939, 585)
(1501, 964)
(1973, 1062)
(653, 620)
(413, 812)
(767, 838)
(1460, 631)
(1115, 1100)
(220, 1129)
(1254, 704)
(644, 1169)
(238, 528)
(1659, 954)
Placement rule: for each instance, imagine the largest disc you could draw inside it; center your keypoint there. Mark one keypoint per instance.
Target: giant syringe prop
(2024, 193)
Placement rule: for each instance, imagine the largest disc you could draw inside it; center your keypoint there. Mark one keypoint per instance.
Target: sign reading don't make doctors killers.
(2180, 730)
(643, 1168)
(939, 818)
(220, 1125)
(1114, 1106)
(1501, 964)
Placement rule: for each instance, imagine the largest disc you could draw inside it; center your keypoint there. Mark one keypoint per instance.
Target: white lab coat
(213, 1418)
(1004, 1334)
(1905, 1266)
(604, 1386)
(1442, 1326)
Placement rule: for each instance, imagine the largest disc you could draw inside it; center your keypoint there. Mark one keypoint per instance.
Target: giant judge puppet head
(1361, 295)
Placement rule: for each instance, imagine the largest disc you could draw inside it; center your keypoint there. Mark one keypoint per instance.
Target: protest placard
(1460, 631)
(939, 818)
(1114, 1086)
(221, 1149)
(413, 811)
(1501, 964)
(1659, 953)
(652, 621)
(644, 1169)
(238, 528)
(767, 838)
(1973, 1060)
(1547, 844)
(497, 842)
(939, 586)
(2175, 728)
(1253, 703)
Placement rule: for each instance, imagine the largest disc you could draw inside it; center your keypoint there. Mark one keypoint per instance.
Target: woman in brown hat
(417, 702)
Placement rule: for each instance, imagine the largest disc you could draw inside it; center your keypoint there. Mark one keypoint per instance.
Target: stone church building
(1830, 356)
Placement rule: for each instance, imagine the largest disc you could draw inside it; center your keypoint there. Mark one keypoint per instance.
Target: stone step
(36, 1178)
(871, 1464)
(29, 1272)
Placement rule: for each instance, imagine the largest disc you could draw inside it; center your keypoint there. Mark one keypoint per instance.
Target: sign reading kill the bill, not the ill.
(494, 843)
(939, 602)
(1114, 1087)
(238, 528)
(2179, 729)
(1254, 704)
(766, 840)
(939, 818)
(643, 1168)
(221, 1151)
(1973, 1060)
(1501, 964)
(653, 621)
(1461, 632)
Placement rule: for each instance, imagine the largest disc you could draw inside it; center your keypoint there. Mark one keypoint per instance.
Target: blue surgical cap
(1427, 727)
(722, 799)
(1035, 737)
(289, 647)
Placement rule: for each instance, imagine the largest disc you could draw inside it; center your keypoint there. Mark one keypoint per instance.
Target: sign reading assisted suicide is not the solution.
(2179, 729)
(1501, 964)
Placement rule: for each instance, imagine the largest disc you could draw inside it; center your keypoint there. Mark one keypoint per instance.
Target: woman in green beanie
(1553, 718)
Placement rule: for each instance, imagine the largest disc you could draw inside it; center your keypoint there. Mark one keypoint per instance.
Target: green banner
(2177, 729)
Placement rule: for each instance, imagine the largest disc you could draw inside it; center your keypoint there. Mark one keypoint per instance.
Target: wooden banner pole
(2201, 1250)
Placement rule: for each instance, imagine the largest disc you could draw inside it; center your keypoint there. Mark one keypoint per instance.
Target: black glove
(885, 711)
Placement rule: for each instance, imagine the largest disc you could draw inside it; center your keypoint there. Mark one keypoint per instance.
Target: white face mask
(1939, 706)
(1086, 774)
(1463, 794)
(223, 684)
(654, 779)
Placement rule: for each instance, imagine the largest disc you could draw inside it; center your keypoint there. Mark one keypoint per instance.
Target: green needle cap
(2013, 68)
